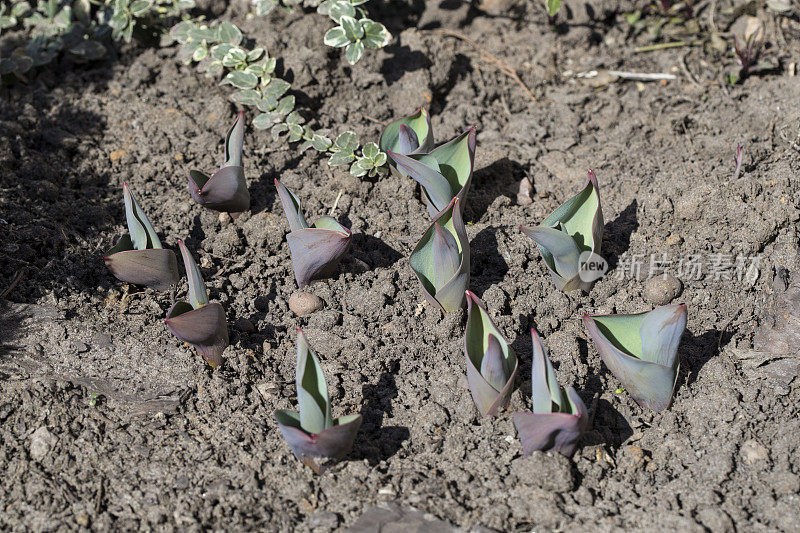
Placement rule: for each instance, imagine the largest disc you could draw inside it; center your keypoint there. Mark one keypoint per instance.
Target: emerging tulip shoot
(199, 322)
(642, 351)
(441, 259)
(226, 190)
(559, 416)
(408, 135)
(138, 257)
(316, 251)
(570, 237)
(444, 173)
(491, 363)
(312, 433)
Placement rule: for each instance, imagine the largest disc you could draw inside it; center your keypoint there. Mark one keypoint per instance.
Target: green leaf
(200, 53)
(219, 51)
(370, 150)
(276, 88)
(295, 132)
(64, 18)
(285, 105)
(353, 52)
(312, 391)
(255, 54)
(262, 121)
(336, 37)
(235, 55)
(552, 7)
(347, 142)
(240, 79)
(294, 118)
(88, 50)
(375, 34)
(198, 295)
(264, 6)
(228, 33)
(267, 104)
(180, 31)
(246, 97)
(352, 29)
(203, 34)
(341, 9)
(380, 159)
(278, 130)
(320, 143)
(7, 22)
(269, 65)
(140, 7)
(341, 158)
(357, 170)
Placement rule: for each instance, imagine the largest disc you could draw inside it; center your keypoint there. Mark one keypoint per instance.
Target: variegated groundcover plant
(641, 350)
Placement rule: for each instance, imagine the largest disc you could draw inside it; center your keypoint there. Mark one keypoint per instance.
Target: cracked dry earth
(108, 422)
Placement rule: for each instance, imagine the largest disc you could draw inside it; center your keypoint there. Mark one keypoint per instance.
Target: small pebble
(662, 289)
(304, 303)
(224, 218)
(323, 519)
(42, 441)
(753, 451)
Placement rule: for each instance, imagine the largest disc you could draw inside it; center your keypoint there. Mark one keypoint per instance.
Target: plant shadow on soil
(54, 220)
(377, 442)
(617, 235)
(488, 267)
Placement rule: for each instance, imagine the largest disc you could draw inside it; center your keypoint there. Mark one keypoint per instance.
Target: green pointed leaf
(352, 29)
(140, 7)
(375, 34)
(312, 391)
(198, 296)
(291, 207)
(285, 105)
(552, 7)
(276, 88)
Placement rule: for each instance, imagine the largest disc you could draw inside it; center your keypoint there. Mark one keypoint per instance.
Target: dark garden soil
(108, 421)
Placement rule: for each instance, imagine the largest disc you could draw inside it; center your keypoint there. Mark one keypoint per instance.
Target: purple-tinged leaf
(553, 431)
(291, 207)
(332, 443)
(737, 159)
(493, 366)
(449, 296)
(559, 251)
(316, 253)
(641, 351)
(419, 123)
(312, 391)
(446, 258)
(581, 219)
(407, 140)
(234, 142)
(456, 159)
(480, 328)
(225, 191)
(546, 394)
(204, 328)
(198, 295)
(157, 268)
(432, 181)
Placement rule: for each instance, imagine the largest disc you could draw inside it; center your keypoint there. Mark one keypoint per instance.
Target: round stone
(662, 289)
(304, 303)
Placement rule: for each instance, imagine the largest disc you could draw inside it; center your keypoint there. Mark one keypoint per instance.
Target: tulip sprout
(316, 251)
(559, 416)
(198, 322)
(491, 363)
(138, 257)
(642, 351)
(441, 259)
(408, 135)
(570, 237)
(444, 173)
(226, 190)
(313, 433)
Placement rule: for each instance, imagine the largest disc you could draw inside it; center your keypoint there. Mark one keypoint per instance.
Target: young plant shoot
(138, 257)
(571, 237)
(444, 173)
(408, 135)
(642, 351)
(441, 259)
(198, 322)
(312, 433)
(491, 363)
(316, 251)
(559, 416)
(226, 190)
